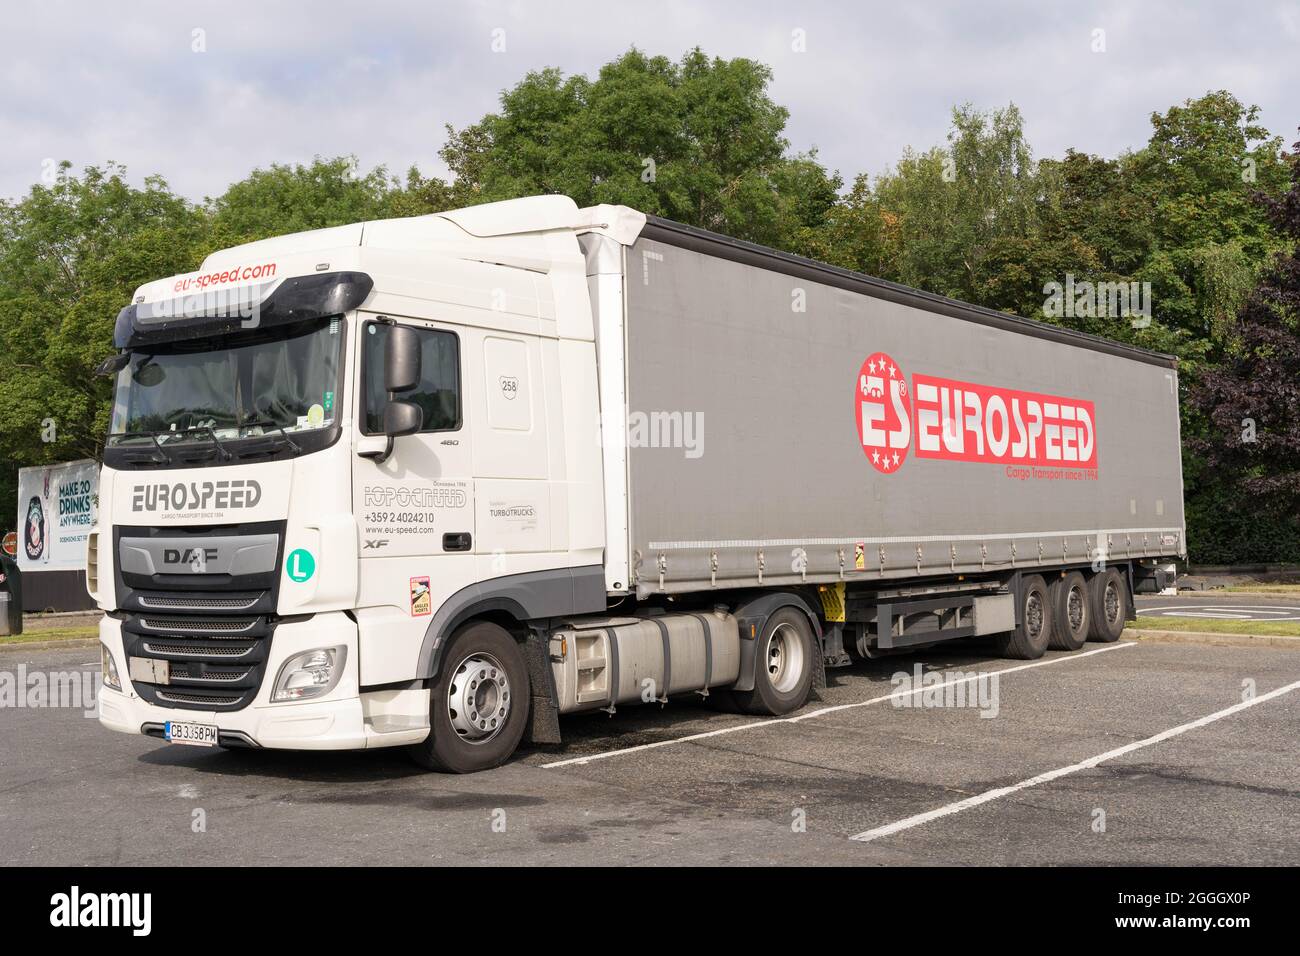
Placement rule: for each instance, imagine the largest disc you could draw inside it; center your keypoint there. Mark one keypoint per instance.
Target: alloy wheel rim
(1034, 614)
(1112, 603)
(478, 698)
(785, 658)
(1075, 608)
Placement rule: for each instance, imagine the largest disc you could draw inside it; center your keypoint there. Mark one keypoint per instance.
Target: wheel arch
(511, 602)
(751, 617)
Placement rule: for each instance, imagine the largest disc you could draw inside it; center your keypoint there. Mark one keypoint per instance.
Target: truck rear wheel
(784, 662)
(1109, 606)
(1071, 612)
(479, 704)
(1029, 640)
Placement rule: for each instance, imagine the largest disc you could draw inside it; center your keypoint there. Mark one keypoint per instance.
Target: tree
(1198, 174)
(71, 255)
(1251, 403)
(935, 221)
(286, 199)
(699, 141)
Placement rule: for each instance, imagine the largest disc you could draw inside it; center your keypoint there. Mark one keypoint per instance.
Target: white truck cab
(329, 448)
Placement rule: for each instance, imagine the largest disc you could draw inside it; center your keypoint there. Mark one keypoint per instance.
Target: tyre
(1029, 640)
(1109, 606)
(785, 656)
(478, 707)
(1071, 611)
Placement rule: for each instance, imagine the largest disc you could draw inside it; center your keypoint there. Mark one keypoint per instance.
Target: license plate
(195, 735)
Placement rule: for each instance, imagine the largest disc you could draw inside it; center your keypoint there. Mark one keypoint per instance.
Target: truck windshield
(249, 384)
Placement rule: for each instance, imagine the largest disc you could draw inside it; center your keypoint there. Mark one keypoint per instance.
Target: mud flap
(543, 714)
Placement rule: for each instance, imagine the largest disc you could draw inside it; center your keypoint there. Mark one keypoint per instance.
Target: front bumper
(338, 721)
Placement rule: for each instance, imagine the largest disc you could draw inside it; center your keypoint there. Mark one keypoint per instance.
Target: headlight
(108, 668)
(310, 674)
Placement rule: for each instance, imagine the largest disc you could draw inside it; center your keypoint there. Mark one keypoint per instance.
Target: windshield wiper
(210, 432)
(166, 459)
(267, 423)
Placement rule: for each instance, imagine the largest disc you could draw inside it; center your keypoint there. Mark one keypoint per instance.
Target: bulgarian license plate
(195, 735)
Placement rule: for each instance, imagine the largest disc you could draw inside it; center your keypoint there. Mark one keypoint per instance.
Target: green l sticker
(300, 565)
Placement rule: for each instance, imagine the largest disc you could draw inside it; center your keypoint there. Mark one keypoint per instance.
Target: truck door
(415, 508)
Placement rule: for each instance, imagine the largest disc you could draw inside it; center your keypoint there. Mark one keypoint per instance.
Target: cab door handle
(456, 541)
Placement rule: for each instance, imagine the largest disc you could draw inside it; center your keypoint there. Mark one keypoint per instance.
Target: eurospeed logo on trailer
(966, 421)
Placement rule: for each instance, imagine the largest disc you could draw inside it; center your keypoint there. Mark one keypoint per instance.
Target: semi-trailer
(434, 482)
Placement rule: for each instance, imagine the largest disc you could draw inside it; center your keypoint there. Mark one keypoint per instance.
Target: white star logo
(875, 457)
(892, 370)
(895, 459)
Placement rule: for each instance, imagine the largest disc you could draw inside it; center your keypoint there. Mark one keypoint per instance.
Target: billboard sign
(57, 505)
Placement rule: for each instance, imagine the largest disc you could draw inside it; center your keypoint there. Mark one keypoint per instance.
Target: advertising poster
(56, 510)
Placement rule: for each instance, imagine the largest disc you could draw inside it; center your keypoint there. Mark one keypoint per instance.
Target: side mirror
(401, 362)
(402, 418)
(113, 364)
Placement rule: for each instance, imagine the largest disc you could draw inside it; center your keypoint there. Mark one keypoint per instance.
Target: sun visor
(228, 309)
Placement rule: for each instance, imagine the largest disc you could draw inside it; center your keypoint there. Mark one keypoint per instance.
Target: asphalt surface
(1225, 606)
(1222, 792)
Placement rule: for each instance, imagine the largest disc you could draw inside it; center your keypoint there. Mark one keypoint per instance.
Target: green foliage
(71, 255)
(1246, 410)
(701, 141)
(938, 218)
(698, 141)
(1226, 526)
(285, 199)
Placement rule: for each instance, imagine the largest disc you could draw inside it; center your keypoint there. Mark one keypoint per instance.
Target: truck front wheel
(1029, 640)
(784, 662)
(479, 704)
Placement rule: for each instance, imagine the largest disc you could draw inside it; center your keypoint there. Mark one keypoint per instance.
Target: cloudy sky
(282, 82)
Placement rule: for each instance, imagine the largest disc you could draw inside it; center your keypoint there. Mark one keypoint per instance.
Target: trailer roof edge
(749, 253)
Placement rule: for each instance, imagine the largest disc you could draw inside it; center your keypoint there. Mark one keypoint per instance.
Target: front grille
(169, 649)
(213, 627)
(194, 625)
(214, 662)
(200, 699)
(205, 675)
(194, 603)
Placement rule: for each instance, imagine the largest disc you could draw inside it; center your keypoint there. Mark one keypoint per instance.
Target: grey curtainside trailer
(847, 429)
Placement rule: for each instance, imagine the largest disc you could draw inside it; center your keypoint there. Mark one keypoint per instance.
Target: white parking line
(989, 795)
(1251, 610)
(771, 722)
(1245, 612)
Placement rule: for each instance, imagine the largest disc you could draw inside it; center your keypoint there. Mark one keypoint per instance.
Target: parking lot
(1226, 606)
(1141, 753)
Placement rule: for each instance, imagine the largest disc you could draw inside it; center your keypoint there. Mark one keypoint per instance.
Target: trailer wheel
(1071, 612)
(479, 704)
(784, 662)
(1029, 640)
(1109, 606)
